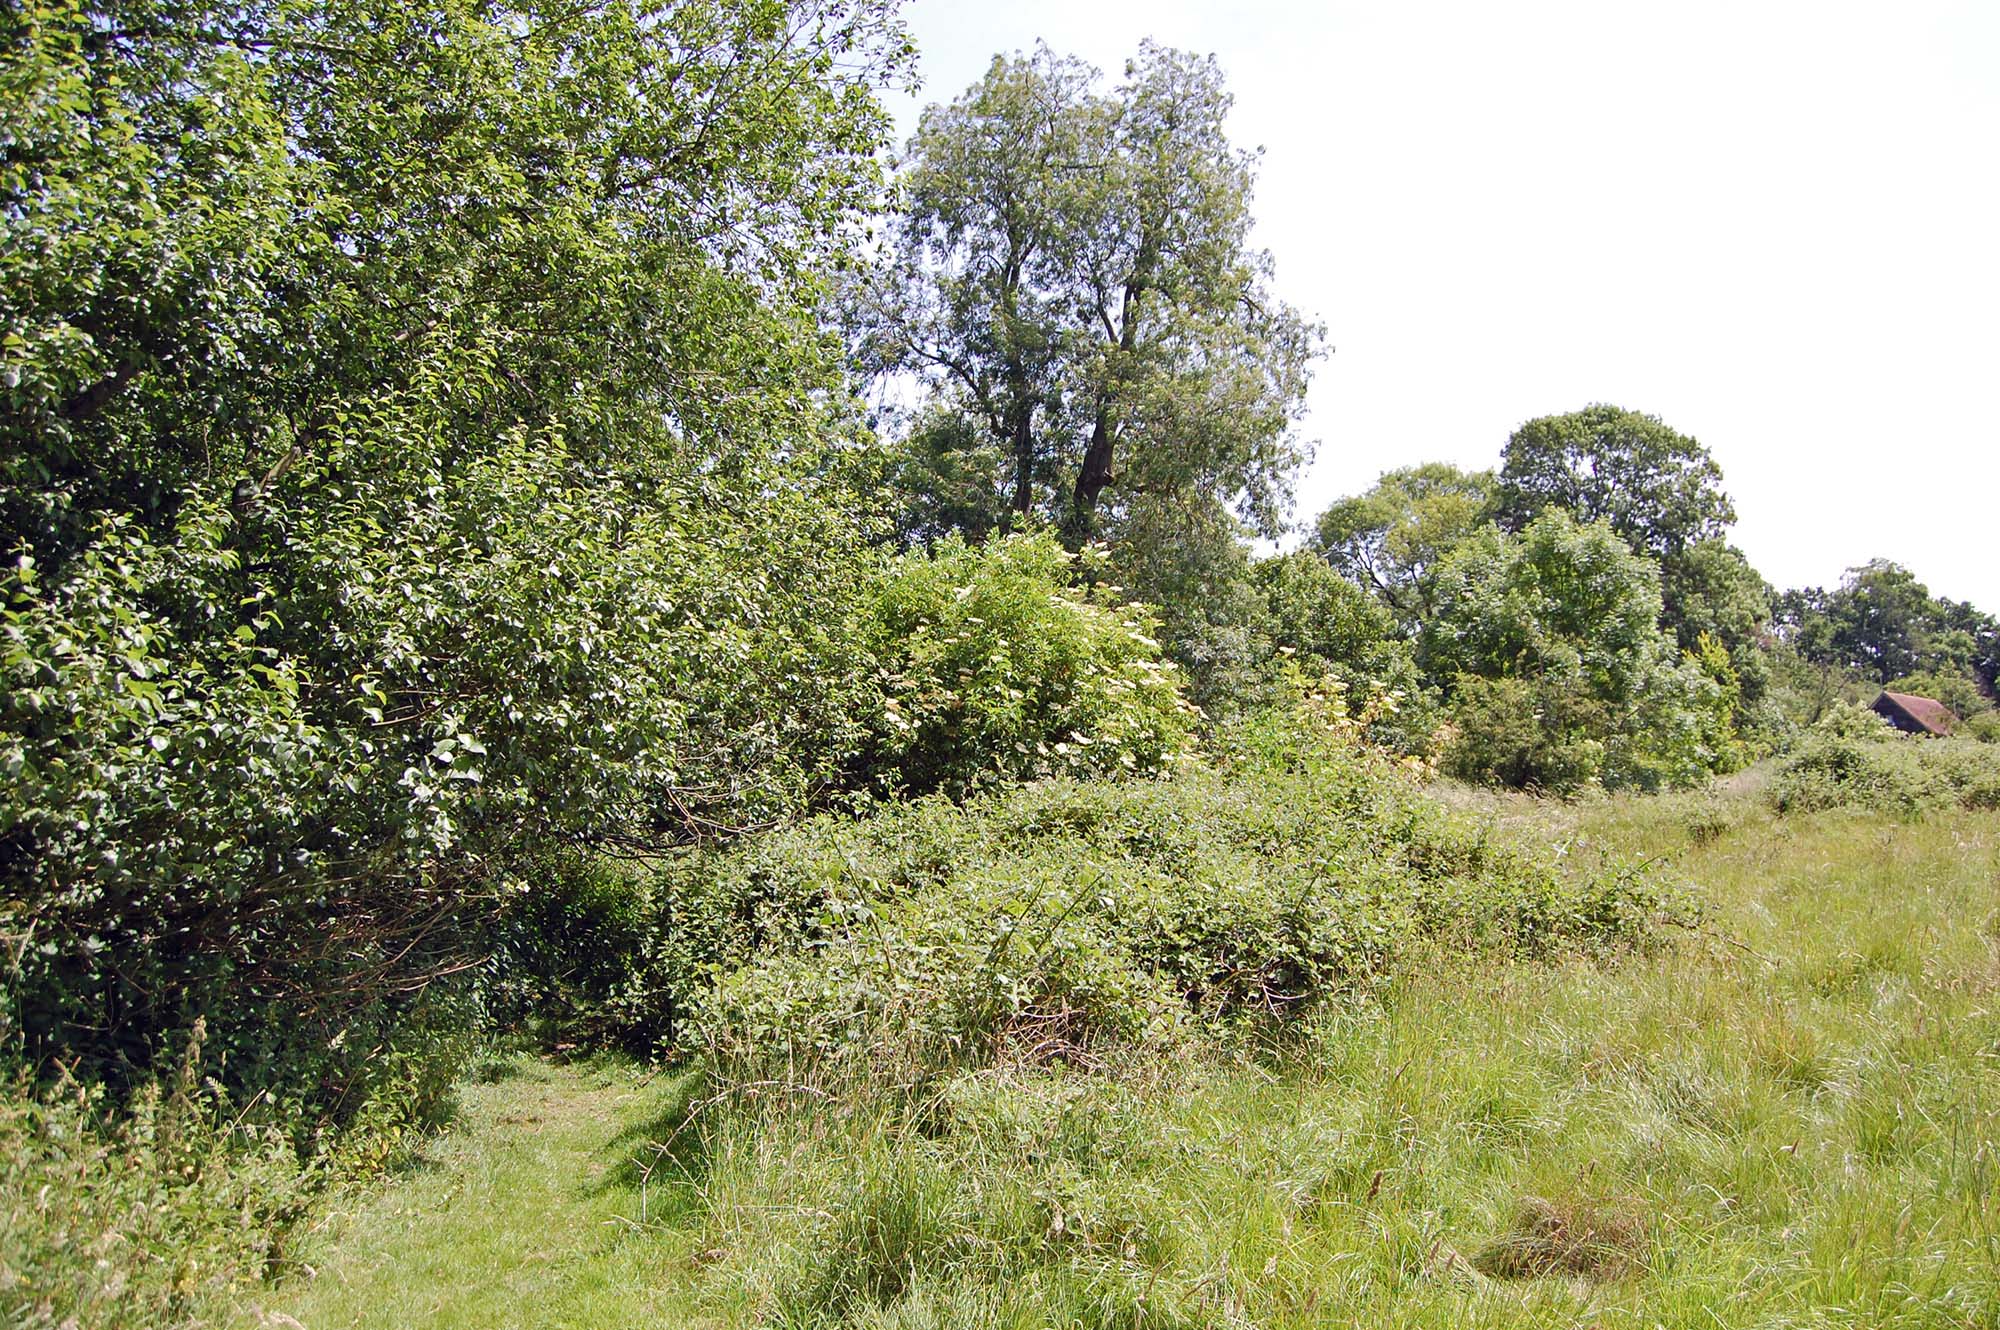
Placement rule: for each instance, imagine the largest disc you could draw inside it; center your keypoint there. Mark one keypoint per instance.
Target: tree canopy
(411, 430)
(1070, 270)
(1883, 623)
(1659, 490)
(1389, 538)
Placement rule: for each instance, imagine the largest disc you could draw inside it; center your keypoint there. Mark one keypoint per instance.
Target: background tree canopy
(1389, 538)
(1071, 276)
(1659, 490)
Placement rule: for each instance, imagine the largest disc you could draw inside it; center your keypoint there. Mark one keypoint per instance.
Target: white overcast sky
(1774, 225)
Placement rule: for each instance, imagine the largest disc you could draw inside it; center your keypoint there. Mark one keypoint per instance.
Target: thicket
(421, 453)
(1853, 760)
(1068, 919)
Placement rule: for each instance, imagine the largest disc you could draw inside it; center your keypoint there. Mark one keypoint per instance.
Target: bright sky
(1774, 225)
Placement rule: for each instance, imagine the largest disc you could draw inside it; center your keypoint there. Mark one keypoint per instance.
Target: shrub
(1886, 770)
(994, 669)
(1066, 919)
(1524, 734)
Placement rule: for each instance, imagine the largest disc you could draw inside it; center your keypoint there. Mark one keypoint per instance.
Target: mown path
(525, 1214)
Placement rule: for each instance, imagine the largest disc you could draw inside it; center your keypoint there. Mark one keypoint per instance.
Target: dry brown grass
(1595, 1240)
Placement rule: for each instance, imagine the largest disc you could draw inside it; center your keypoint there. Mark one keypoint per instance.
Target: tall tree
(1659, 490)
(1388, 538)
(1071, 270)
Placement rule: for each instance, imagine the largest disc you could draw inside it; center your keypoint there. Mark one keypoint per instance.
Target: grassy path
(524, 1215)
(1792, 1120)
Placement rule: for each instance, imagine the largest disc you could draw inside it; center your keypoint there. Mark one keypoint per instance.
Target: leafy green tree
(1568, 615)
(1070, 271)
(941, 478)
(412, 430)
(1559, 597)
(1331, 627)
(1710, 591)
(1388, 538)
(1314, 611)
(1659, 490)
(1882, 623)
(996, 669)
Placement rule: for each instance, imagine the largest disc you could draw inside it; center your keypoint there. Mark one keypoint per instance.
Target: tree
(1883, 623)
(1710, 591)
(1389, 538)
(1070, 270)
(410, 423)
(1559, 598)
(1549, 643)
(1659, 490)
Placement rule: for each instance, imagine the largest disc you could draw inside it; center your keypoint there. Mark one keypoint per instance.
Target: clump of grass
(1710, 818)
(1596, 1240)
(154, 1209)
(142, 1216)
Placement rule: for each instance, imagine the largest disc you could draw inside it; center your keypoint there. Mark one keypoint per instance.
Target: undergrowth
(153, 1209)
(1787, 1119)
(1065, 920)
(1878, 768)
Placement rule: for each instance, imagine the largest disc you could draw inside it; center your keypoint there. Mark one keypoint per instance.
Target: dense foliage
(1072, 283)
(1560, 670)
(993, 670)
(1069, 918)
(411, 431)
(1852, 759)
(1882, 624)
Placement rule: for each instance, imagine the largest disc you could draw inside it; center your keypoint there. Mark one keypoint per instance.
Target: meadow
(1784, 1115)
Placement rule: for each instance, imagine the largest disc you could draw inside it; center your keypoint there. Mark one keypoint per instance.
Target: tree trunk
(1024, 459)
(1096, 472)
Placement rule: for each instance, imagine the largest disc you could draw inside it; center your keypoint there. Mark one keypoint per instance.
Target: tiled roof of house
(1928, 712)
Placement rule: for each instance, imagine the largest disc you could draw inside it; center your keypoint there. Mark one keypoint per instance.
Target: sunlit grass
(1790, 1118)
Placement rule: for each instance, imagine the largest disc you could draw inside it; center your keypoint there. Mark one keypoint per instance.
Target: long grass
(1791, 1118)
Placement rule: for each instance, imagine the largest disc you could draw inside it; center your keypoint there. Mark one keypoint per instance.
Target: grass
(1790, 1119)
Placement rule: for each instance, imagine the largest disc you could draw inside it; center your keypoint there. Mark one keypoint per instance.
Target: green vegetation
(465, 587)
(1779, 1121)
(1864, 764)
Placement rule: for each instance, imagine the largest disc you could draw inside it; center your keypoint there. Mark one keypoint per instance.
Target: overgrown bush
(1066, 919)
(1295, 861)
(367, 531)
(993, 669)
(1883, 769)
